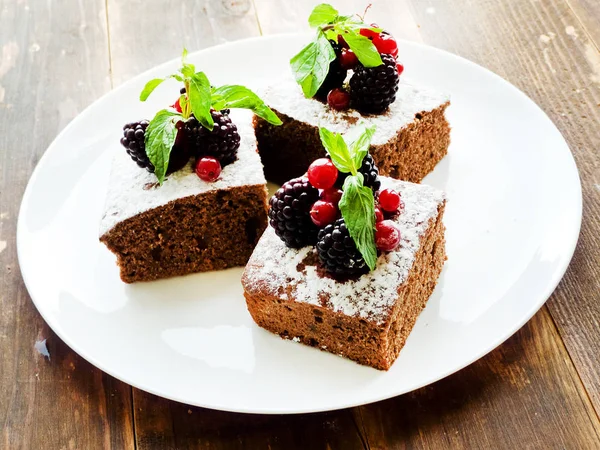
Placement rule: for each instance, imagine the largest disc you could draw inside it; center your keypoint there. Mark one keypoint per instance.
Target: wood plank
(54, 62)
(588, 13)
(289, 17)
(541, 47)
(525, 394)
(146, 33)
(162, 424)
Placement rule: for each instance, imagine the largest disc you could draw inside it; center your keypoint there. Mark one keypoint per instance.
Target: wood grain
(525, 394)
(289, 17)
(54, 62)
(162, 424)
(144, 33)
(588, 13)
(541, 47)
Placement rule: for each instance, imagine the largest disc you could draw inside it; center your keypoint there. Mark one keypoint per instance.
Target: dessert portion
(347, 270)
(350, 73)
(196, 198)
(412, 135)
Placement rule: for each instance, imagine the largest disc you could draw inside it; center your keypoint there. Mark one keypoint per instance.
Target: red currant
(378, 214)
(323, 213)
(322, 173)
(387, 235)
(208, 169)
(399, 68)
(177, 106)
(338, 99)
(385, 43)
(366, 32)
(332, 195)
(389, 200)
(348, 59)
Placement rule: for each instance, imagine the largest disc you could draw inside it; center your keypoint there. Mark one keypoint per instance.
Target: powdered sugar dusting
(274, 266)
(133, 190)
(287, 98)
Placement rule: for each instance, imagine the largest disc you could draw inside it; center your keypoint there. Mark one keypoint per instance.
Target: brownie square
(412, 136)
(186, 225)
(367, 319)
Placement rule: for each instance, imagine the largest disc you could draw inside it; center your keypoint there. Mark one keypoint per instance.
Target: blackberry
(134, 142)
(222, 142)
(289, 213)
(337, 251)
(370, 173)
(373, 89)
(335, 76)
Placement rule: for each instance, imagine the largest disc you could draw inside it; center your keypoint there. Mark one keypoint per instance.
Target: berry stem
(187, 110)
(364, 14)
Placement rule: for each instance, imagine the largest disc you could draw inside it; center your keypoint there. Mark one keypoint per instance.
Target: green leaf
(311, 64)
(183, 104)
(149, 88)
(199, 97)
(363, 48)
(188, 70)
(338, 151)
(357, 206)
(359, 142)
(235, 96)
(322, 15)
(160, 138)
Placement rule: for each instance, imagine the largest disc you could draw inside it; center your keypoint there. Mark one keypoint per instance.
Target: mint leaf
(322, 15)
(311, 64)
(188, 70)
(198, 92)
(160, 138)
(235, 96)
(149, 88)
(338, 151)
(358, 210)
(360, 142)
(363, 48)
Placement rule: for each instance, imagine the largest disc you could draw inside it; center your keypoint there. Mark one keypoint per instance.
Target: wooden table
(540, 389)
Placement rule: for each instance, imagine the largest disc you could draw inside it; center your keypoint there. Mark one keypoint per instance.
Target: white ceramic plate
(512, 221)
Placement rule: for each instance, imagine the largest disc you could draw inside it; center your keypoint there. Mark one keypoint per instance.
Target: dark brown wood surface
(540, 389)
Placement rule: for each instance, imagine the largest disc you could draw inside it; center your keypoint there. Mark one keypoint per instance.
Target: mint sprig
(160, 138)
(311, 65)
(357, 204)
(322, 15)
(198, 92)
(197, 101)
(235, 96)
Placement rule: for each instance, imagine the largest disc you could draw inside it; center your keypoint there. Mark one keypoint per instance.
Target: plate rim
(543, 296)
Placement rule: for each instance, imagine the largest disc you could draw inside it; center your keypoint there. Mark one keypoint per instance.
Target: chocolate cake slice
(412, 135)
(186, 225)
(366, 319)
